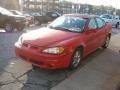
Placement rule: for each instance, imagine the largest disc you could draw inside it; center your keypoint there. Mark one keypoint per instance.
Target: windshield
(16, 12)
(69, 23)
(5, 11)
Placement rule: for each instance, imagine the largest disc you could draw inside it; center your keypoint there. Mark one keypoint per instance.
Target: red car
(64, 42)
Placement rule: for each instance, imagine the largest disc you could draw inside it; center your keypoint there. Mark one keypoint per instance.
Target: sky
(114, 3)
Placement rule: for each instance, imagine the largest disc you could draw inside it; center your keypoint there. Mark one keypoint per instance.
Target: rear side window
(92, 24)
(100, 22)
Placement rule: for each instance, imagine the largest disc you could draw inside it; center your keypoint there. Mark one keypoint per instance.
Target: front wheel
(8, 27)
(107, 41)
(76, 59)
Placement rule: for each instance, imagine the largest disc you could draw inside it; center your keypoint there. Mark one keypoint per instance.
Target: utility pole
(42, 5)
(21, 5)
(53, 5)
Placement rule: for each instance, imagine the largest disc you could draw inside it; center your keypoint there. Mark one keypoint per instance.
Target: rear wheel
(107, 41)
(76, 59)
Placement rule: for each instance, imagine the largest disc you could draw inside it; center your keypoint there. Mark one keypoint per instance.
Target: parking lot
(16, 74)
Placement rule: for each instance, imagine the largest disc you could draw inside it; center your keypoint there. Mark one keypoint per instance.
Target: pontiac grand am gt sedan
(64, 42)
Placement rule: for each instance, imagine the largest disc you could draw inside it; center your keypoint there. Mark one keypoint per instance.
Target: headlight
(54, 50)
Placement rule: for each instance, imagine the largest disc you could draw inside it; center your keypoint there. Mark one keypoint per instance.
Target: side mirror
(107, 22)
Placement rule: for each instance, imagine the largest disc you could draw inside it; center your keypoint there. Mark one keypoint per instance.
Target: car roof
(82, 15)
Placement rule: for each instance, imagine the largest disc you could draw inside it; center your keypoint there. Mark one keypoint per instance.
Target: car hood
(46, 36)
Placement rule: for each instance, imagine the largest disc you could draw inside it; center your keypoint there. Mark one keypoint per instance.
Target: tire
(76, 59)
(9, 27)
(107, 41)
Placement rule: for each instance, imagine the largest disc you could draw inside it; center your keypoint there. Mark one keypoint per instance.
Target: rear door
(91, 38)
(101, 31)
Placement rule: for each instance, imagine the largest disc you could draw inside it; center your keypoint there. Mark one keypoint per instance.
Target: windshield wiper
(62, 28)
(59, 28)
(66, 29)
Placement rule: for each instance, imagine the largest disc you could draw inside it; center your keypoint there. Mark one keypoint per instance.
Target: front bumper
(43, 61)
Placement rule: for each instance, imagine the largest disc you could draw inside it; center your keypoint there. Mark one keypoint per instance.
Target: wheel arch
(82, 48)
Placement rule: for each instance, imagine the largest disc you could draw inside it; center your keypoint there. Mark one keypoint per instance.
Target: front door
(101, 31)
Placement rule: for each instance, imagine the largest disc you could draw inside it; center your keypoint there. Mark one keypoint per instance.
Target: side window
(92, 24)
(100, 22)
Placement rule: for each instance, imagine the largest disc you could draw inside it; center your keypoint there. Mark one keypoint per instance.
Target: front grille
(30, 46)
